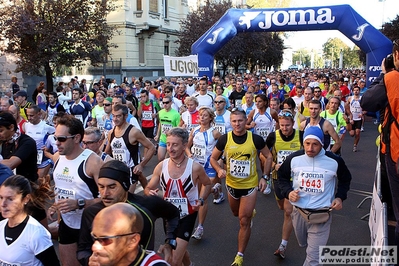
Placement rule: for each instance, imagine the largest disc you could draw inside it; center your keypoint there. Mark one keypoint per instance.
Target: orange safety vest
(390, 126)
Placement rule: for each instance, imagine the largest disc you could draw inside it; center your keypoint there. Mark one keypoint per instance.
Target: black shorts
(356, 125)
(277, 190)
(67, 235)
(148, 132)
(186, 226)
(237, 193)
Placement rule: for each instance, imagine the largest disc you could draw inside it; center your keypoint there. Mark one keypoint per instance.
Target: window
(165, 8)
(154, 6)
(166, 48)
(139, 5)
(141, 51)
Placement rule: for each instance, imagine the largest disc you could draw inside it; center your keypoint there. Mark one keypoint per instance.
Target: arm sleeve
(163, 209)
(48, 257)
(221, 143)
(271, 139)
(258, 141)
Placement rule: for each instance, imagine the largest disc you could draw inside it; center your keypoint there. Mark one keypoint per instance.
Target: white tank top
(72, 182)
(203, 144)
(181, 192)
(264, 123)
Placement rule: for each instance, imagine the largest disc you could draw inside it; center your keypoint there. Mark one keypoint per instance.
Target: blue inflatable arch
(341, 17)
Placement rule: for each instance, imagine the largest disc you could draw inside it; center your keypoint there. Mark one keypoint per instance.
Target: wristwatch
(171, 242)
(202, 201)
(265, 177)
(81, 203)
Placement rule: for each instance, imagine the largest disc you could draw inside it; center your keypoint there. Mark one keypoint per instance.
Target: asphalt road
(219, 243)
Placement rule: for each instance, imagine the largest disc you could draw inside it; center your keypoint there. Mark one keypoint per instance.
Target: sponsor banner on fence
(181, 66)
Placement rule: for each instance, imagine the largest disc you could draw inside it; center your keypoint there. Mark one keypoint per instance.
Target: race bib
(80, 117)
(263, 132)
(239, 169)
(311, 182)
(147, 115)
(165, 128)
(198, 152)
(3, 262)
(190, 127)
(100, 125)
(119, 155)
(221, 128)
(282, 155)
(39, 156)
(62, 193)
(238, 103)
(181, 204)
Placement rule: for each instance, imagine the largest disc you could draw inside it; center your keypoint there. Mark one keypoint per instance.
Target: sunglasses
(166, 102)
(317, 91)
(218, 102)
(107, 104)
(63, 138)
(107, 240)
(167, 91)
(89, 142)
(285, 114)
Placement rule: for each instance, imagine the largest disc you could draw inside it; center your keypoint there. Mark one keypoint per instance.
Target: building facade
(147, 30)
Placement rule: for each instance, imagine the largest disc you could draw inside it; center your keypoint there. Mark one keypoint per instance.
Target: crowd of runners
(87, 148)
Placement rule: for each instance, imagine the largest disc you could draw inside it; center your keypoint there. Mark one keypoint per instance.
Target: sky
(374, 12)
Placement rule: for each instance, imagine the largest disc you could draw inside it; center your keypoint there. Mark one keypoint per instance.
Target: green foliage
(391, 29)
(332, 49)
(48, 34)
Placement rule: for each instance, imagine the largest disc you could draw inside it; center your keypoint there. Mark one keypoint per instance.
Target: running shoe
(280, 251)
(238, 261)
(268, 188)
(198, 233)
(362, 129)
(354, 148)
(217, 188)
(220, 199)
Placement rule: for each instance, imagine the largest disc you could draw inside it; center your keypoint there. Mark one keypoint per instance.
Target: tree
(391, 29)
(46, 34)
(268, 4)
(332, 49)
(351, 58)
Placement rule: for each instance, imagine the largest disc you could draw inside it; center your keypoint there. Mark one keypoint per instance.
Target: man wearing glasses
(116, 233)
(168, 118)
(113, 185)
(75, 176)
(93, 140)
(318, 96)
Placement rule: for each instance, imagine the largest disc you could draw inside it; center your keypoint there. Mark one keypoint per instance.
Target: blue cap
(314, 132)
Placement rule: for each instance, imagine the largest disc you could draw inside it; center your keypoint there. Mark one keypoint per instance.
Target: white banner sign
(181, 66)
